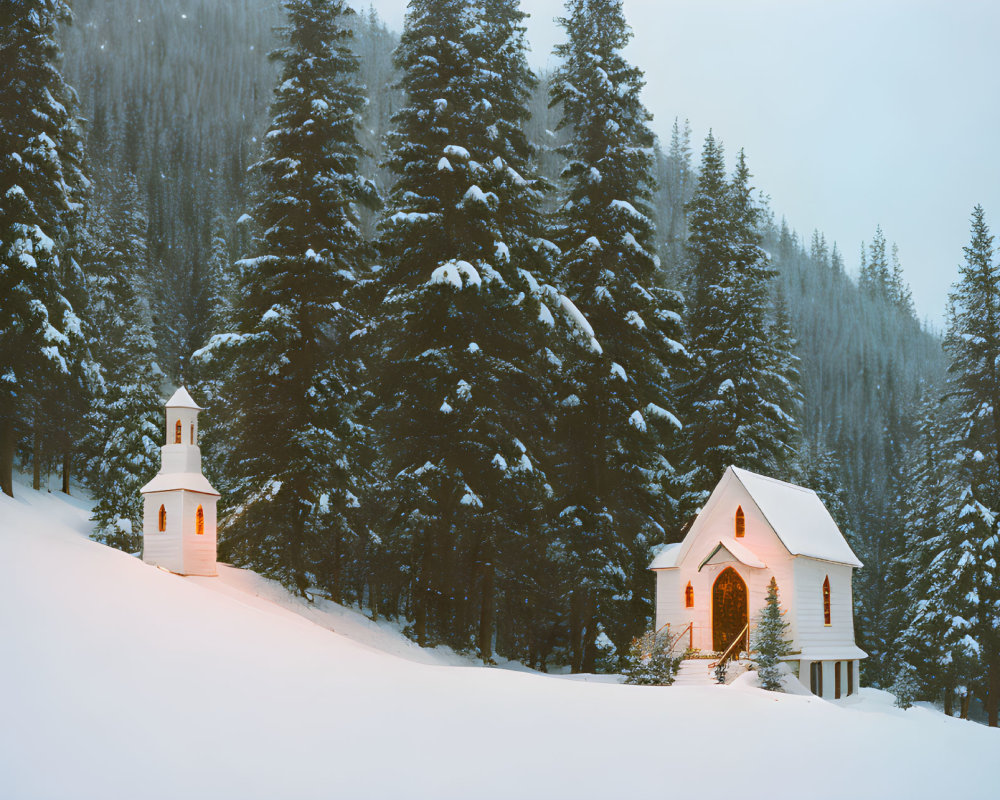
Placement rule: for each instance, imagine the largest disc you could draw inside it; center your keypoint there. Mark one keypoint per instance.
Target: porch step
(695, 672)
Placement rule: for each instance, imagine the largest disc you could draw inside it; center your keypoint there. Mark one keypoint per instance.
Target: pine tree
(288, 396)
(905, 686)
(456, 372)
(615, 487)
(899, 289)
(935, 578)
(121, 447)
(770, 644)
(973, 346)
(742, 389)
(37, 197)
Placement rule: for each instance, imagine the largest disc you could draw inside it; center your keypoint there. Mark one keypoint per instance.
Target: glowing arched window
(199, 521)
(178, 434)
(192, 433)
(163, 518)
(741, 523)
(689, 596)
(826, 600)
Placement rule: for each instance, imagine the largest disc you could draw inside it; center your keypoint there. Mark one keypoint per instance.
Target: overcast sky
(853, 113)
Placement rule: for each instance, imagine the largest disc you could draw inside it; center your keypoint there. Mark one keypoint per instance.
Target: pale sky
(853, 113)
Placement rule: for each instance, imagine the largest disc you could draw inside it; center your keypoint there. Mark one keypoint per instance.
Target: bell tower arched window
(178, 433)
(163, 518)
(826, 600)
(741, 523)
(192, 433)
(689, 596)
(199, 521)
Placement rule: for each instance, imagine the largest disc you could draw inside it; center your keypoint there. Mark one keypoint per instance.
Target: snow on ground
(123, 681)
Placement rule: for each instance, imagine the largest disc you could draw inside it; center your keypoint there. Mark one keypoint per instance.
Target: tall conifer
(289, 396)
(616, 488)
(457, 373)
(37, 190)
(973, 345)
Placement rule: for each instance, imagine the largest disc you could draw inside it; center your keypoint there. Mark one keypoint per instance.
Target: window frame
(689, 596)
(199, 521)
(740, 523)
(162, 518)
(178, 433)
(826, 602)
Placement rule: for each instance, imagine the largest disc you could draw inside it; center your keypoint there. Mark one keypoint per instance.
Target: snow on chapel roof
(798, 517)
(181, 399)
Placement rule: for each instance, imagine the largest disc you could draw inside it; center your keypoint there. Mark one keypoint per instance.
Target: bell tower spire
(179, 519)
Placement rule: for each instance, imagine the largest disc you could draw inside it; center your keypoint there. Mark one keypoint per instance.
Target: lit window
(199, 521)
(826, 600)
(741, 523)
(163, 519)
(178, 433)
(192, 433)
(689, 596)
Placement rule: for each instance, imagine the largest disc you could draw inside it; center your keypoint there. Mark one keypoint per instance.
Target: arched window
(826, 600)
(192, 433)
(178, 433)
(741, 523)
(199, 521)
(689, 596)
(163, 518)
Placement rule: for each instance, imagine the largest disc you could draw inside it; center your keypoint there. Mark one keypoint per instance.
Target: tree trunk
(7, 439)
(590, 640)
(993, 692)
(576, 631)
(949, 695)
(486, 607)
(66, 466)
(36, 460)
(964, 706)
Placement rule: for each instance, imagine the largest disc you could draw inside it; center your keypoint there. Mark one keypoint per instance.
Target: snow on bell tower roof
(181, 399)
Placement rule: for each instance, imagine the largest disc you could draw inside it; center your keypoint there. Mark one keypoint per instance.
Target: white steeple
(179, 519)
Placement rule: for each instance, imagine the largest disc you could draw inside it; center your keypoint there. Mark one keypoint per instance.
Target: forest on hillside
(493, 445)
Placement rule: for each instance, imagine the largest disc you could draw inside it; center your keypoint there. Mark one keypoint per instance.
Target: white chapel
(711, 586)
(178, 518)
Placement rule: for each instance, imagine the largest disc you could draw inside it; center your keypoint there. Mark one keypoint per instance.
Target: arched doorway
(729, 608)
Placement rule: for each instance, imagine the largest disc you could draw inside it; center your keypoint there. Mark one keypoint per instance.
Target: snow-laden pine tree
(742, 389)
(769, 643)
(458, 382)
(37, 196)
(288, 396)
(616, 488)
(973, 346)
(933, 578)
(120, 450)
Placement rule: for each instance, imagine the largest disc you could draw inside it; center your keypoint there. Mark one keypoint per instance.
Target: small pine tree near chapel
(770, 643)
(649, 662)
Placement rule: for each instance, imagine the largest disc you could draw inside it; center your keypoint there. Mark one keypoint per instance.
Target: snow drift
(121, 680)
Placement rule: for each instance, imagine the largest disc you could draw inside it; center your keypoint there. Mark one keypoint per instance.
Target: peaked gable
(795, 514)
(798, 517)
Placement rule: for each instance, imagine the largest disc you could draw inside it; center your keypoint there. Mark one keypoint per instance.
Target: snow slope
(123, 681)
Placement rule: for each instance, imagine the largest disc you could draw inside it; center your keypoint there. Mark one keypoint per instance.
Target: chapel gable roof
(795, 514)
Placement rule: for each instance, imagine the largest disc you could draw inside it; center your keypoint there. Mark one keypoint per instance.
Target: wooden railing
(689, 630)
(728, 654)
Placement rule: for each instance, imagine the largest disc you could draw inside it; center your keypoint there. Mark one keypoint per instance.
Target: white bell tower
(178, 517)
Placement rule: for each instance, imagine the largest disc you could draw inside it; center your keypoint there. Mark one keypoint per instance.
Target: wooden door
(729, 608)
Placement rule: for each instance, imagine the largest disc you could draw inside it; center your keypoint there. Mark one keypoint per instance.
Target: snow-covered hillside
(123, 681)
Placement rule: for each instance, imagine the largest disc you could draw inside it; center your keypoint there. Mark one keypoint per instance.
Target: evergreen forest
(473, 341)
